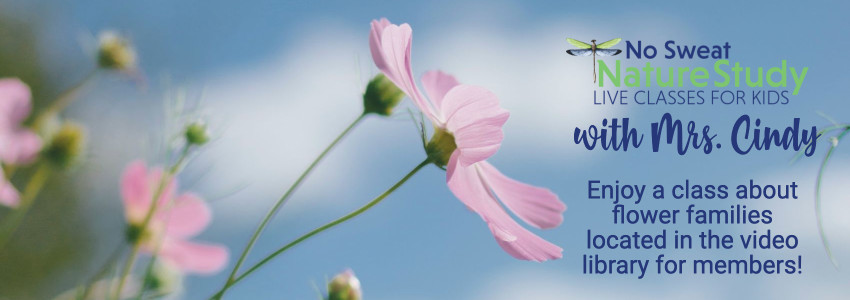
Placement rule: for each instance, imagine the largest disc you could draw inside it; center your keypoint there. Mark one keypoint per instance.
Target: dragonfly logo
(592, 49)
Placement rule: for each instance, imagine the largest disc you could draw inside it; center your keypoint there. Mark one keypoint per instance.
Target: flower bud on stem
(345, 286)
(115, 52)
(380, 97)
(196, 133)
(66, 146)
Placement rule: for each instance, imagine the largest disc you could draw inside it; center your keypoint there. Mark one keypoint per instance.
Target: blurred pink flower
(17, 144)
(473, 119)
(175, 221)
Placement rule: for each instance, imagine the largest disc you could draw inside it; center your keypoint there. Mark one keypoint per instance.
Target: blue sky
(279, 80)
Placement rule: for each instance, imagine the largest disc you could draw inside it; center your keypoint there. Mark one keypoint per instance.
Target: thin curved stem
(107, 264)
(322, 228)
(818, 211)
(31, 191)
(62, 101)
(136, 246)
(146, 277)
(820, 134)
(277, 206)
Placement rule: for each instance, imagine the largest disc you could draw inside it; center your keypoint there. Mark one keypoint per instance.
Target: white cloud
(279, 114)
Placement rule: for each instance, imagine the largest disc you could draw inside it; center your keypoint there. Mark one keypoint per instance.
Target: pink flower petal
(475, 118)
(135, 191)
(478, 142)
(468, 186)
(395, 51)
(194, 257)
(536, 206)
(138, 185)
(375, 44)
(15, 102)
(436, 85)
(186, 217)
(19, 146)
(8, 194)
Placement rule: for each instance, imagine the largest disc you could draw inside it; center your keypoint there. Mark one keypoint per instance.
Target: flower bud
(381, 96)
(834, 141)
(344, 286)
(115, 52)
(440, 148)
(197, 134)
(66, 146)
(164, 279)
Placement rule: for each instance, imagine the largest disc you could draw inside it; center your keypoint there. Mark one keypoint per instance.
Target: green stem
(146, 277)
(125, 269)
(820, 134)
(31, 191)
(136, 245)
(818, 212)
(280, 202)
(62, 101)
(322, 228)
(107, 264)
(149, 269)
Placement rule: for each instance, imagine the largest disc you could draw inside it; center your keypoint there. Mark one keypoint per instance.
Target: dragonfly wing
(580, 52)
(579, 44)
(608, 52)
(608, 44)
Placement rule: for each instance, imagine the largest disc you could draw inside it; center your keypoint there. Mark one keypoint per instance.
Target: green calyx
(66, 146)
(115, 52)
(381, 96)
(134, 233)
(440, 147)
(197, 134)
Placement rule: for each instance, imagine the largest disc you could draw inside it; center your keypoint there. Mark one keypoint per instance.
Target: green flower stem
(31, 191)
(277, 206)
(136, 246)
(820, 134)
(146, 277)
(818, 212)
(322, 228)
(62, 101)
(85, 290)
(149, 269)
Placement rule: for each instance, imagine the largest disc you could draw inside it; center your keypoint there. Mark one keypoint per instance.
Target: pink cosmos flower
(17, 144)
(468, 129)
(177, 219)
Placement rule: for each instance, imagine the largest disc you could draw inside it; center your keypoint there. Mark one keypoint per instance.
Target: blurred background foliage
(39, 263)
